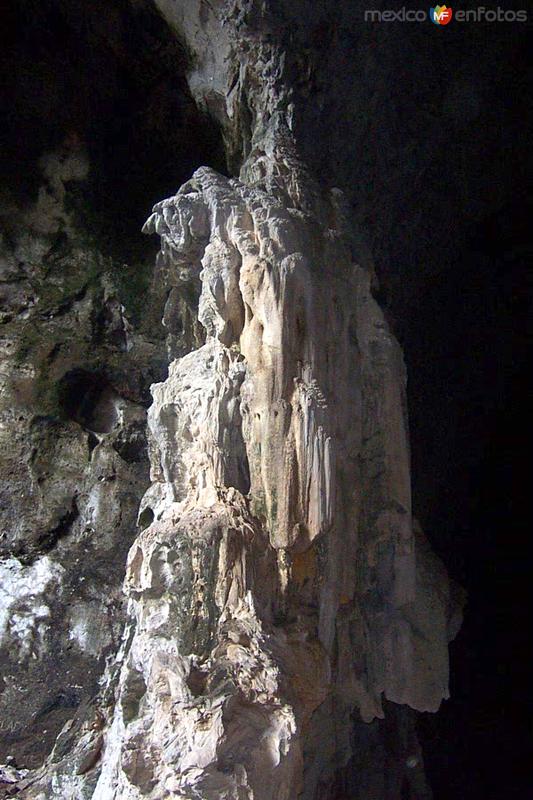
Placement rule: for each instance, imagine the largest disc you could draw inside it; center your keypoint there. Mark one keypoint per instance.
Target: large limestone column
(279, 589)
(280, 574)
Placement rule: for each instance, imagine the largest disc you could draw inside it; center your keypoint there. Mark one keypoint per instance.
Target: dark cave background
(108, 77)
(464, 331)
(441, 191)
(469, 454)
(427, 131)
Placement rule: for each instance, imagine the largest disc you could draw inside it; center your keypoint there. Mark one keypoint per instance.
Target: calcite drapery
(281, 567)
(279, 589)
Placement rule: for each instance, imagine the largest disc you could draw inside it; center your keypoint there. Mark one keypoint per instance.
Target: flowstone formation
(279, 584)
(280, 570)
(281, 599)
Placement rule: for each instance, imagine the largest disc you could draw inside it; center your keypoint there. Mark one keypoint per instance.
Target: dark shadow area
(428, 132)
(146, 517)
(466, 353)
(88, 399)
(386, 760)
(106, 77)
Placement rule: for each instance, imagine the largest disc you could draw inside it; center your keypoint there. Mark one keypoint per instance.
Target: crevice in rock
(89, 399)
(49, 539)
(130, 443)
(146, 517)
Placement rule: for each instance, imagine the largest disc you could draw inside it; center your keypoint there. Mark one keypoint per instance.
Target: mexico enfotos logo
(442, 15)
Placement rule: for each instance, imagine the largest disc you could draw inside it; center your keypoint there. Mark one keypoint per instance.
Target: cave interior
(449, 235)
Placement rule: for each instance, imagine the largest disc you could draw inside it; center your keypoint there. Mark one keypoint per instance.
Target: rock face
(73, 461)
(279, 577)
(279, 592)
(82, 339)
(281, 566)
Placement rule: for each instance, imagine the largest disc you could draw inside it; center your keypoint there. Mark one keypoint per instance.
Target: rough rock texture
(279, 591)
(280, 566)
(280, 572)
(81, 338)
(75, 374)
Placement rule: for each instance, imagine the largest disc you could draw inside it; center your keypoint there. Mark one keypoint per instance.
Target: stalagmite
(278, 590)
(281, 569)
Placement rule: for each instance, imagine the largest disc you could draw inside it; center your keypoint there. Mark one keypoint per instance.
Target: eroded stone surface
(73, 459)
(279, 572)
(279, 590)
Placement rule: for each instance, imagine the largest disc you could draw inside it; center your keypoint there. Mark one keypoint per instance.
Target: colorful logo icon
(440, 15)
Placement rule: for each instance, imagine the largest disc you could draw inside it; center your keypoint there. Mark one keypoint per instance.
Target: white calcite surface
(24, 610)
(281, 598)
(280, 573)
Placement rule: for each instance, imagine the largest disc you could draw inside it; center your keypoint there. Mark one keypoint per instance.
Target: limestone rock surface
(74, 383)
(284, 613)
(279, 571)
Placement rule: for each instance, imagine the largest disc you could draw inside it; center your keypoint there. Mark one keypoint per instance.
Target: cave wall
(82, 336)
(285, 614)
